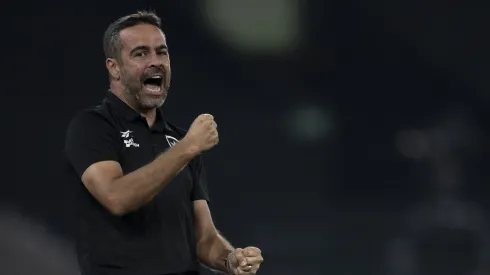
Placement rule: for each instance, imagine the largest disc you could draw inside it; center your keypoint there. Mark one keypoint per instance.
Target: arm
(90, 147)
(121, 194)
(212, 248)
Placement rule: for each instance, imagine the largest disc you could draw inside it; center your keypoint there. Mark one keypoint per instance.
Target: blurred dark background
(354, 134)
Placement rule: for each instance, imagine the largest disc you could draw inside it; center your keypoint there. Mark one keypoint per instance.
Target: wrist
(189, 148)
(228, 263)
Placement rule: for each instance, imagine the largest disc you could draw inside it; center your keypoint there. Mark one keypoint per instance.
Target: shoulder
(94, 119)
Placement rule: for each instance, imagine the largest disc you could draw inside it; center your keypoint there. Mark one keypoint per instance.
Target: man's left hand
(245, 261)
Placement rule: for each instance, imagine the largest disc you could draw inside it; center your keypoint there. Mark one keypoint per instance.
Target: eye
(140, 54)
(163, 53)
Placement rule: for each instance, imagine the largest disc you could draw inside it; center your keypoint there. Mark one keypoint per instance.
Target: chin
(152, 103)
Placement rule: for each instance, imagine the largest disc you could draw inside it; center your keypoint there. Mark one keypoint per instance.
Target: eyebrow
(139, 48)
(162, 47)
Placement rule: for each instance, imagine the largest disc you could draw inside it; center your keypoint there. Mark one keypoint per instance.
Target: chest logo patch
(128, 139)
(171, 140)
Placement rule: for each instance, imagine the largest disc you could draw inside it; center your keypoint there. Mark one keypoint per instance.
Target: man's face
(144, 65)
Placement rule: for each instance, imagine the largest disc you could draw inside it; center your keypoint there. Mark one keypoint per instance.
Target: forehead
(142, 35)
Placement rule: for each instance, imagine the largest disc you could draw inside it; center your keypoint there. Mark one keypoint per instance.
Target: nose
(156, 61)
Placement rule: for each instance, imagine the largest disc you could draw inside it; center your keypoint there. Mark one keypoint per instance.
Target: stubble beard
(133, 92)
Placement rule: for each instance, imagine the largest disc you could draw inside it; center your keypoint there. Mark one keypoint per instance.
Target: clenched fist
(203, 133)
(245, 261)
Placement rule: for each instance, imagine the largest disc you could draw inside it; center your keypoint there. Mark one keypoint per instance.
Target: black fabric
(159, 237)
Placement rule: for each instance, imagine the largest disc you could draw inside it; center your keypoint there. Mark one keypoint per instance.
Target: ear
(113, 68)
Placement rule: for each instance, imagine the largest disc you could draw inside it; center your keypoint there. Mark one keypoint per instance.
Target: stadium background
(354, 134)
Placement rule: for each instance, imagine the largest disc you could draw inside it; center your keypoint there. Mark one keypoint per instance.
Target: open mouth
(154, 83)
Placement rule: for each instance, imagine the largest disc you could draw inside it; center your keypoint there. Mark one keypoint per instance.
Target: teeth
(156, 77)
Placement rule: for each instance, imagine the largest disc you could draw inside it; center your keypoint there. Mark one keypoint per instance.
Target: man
(143, 204)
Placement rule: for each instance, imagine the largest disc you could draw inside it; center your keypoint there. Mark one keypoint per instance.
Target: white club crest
(171, 140)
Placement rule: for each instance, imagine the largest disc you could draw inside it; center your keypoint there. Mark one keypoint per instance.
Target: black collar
(131, 115)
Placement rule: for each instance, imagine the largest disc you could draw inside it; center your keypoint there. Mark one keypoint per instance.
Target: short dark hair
(112, 42)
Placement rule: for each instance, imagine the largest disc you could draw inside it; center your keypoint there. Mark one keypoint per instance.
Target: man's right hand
(203, 133)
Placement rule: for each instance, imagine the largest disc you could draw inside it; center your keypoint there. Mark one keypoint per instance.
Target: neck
(149, 114)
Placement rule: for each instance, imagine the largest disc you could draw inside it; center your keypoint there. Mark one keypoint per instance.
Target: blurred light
(412, 144)
(29, 248)
(255, 26)
(309, 123)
